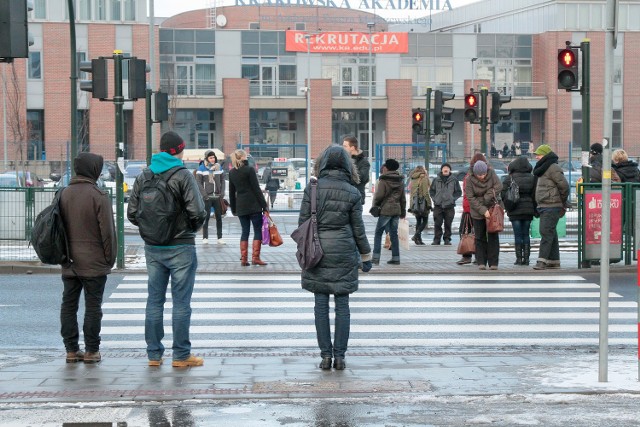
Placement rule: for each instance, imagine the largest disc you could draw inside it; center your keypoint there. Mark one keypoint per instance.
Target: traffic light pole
(118, 101)
(427, 130)
(74, 85)
(586, 108)
(147, 97)
(484, 92)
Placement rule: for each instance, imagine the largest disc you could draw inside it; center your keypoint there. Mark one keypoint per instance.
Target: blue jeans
(521, 229)
(323, 327)
(246, 221)
(179, 263)
(387, 223)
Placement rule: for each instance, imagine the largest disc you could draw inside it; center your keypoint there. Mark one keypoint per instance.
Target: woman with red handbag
(482, 190)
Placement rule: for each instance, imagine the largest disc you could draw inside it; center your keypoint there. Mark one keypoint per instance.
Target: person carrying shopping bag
(483, 190)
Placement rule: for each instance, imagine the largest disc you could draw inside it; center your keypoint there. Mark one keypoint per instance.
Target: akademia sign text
(347, 42)
(359, 4)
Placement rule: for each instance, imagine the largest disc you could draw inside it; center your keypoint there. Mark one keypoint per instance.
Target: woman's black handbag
(309, 251)
(375, 211)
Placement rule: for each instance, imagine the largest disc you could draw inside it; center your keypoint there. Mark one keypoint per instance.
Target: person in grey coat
(551, 195)
(345, 246)
(445, 190)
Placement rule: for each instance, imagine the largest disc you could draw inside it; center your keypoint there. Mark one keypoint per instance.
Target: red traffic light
(471, 100)
(567, 58)
(418, 116)
(471, 108)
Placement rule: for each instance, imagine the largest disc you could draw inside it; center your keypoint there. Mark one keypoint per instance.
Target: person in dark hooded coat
(88, 219)
(345, 245)
(626, 169)
(521, 214)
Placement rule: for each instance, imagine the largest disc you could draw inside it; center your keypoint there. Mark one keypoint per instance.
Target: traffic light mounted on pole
(439, 110)
(137, 78)
(98, 85)
(14, 32)
(568, 68)
(471, 104)
(496, 102)
(418, 121)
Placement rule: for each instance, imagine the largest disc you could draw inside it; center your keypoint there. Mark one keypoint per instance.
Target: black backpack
(49, 237)
(158, 207)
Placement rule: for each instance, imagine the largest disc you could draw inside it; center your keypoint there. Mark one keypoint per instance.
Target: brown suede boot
(255, 258)
(244, 253)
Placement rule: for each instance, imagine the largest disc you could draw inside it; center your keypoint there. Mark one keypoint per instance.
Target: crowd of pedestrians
(528, 192)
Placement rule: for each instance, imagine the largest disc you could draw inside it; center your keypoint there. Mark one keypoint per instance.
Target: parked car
(22, 179)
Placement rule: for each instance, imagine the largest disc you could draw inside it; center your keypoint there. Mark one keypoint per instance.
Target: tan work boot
(75, 356)
(189, 361)
(92, 357)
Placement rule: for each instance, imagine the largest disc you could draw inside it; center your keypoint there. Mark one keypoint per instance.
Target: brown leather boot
(244, 253)
(255, 258)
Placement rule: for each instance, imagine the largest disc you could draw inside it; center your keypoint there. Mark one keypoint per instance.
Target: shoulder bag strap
(313, 196)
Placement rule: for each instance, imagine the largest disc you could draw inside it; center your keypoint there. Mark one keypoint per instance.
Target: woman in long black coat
(248, 204)
(345, 245)
(521, 214)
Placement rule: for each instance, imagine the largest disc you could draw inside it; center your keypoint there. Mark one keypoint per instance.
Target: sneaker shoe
(394, 262)
(493, 267)
(189, 361)
(447, 242)
(92, 357)
(75, 356)
(155, 362)
(482, 267)
(463, 261)
(221, 242)
(205, 241)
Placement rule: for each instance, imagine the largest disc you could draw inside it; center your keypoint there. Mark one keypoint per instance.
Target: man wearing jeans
(392, 200)
(177, 259)
(551, 194)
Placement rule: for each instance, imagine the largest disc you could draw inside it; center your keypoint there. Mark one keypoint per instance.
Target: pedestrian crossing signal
(418, 121)
(471, 108)
(568, 69)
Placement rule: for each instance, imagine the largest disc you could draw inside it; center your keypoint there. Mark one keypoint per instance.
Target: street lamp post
(473, 86)
(307, 90)
(370, 117)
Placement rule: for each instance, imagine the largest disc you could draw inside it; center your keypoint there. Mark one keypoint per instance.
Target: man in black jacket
(88, 219)
(350, 143)
(177, 259)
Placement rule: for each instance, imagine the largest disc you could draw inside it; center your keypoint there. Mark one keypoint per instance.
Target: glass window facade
(35, 123)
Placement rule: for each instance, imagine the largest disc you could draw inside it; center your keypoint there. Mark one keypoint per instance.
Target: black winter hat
(171, 143)
(443, 166)
(596, 148)
(392, 165)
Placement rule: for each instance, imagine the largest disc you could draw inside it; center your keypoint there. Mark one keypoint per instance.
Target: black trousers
(487, 244)
(93, 288)
(443, 215)
(216, 206)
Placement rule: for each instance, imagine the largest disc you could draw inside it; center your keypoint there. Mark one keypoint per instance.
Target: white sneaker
(205, 241)
(221, 242)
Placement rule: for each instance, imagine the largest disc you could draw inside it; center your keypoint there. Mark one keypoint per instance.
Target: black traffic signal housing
(418, 121)
(14, 31)
(471, 103)
(440, 110)
(568, 69)
(161, 101)
(98, 84)
(496, 103)
(137, 78)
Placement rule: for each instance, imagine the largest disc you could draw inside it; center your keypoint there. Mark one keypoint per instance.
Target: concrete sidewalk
(440, 259)
(291, 373)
